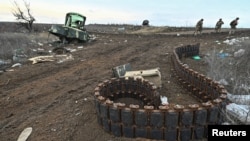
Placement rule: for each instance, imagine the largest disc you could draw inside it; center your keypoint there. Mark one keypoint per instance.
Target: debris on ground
(240, 112)
(16, 65)
(19, 56)
(164, 100)
(239, 99)
(223, 82)
(153, 75)
(223, 55)
(119, 71)
(239, 53)
(197, 57)
(49, 58)
(25, 134)
(235, 41)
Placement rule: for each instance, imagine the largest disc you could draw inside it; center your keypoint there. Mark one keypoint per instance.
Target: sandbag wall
(151, 119)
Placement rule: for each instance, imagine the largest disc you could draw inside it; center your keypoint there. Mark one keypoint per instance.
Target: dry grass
(10, 42)
(22, 42)
(234, 70)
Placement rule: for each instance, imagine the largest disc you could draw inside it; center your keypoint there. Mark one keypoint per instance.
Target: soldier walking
(218, 25)
(233, 25)
(198, 27)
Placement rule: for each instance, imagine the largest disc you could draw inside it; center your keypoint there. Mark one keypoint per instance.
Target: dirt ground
(56, 99)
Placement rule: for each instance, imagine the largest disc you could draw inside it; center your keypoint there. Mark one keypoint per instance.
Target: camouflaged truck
(73, 29)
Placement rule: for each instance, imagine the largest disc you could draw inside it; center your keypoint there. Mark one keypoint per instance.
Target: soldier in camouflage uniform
(218, 25)
(233, 25)
(198, 27)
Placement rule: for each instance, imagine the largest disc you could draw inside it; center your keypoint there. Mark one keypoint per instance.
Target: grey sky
(158, 12)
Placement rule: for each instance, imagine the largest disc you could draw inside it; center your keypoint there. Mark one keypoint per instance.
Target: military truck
(73, 29)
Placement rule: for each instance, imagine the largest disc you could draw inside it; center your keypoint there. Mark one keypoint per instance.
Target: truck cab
(72, 30)
(75, 20)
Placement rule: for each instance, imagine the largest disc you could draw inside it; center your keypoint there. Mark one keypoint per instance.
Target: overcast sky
(158, 12)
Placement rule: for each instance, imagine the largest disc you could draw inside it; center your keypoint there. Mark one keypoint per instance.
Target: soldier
(198, 28)
(218, 25)
(233, 25)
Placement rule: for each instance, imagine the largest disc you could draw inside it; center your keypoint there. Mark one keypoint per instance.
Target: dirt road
(56, 99)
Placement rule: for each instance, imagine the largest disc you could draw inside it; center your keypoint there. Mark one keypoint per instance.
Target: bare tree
(24, 20)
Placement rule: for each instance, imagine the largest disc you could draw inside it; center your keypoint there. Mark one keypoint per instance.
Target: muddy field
(56, 98)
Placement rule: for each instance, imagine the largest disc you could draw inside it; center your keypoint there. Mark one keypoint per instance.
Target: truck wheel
(60, 50)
